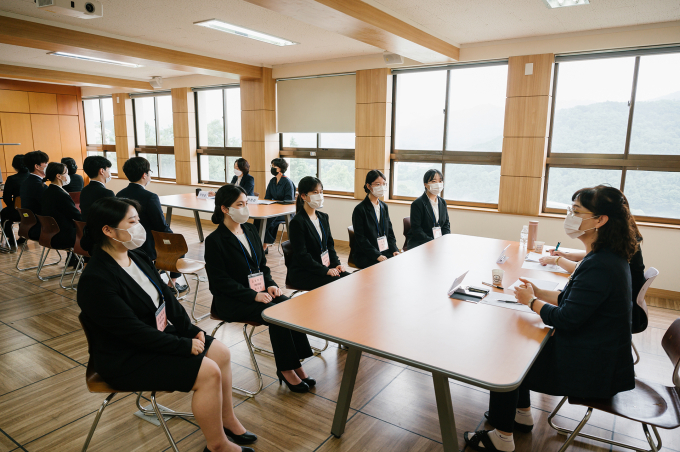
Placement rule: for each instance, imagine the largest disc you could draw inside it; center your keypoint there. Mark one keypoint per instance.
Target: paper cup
(538, 247)
(497, 276)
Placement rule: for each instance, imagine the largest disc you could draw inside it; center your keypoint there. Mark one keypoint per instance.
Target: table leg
(263, 228)
(199, 227)
(346, 389)
(168, 215)
(447, 423)
(288, 226)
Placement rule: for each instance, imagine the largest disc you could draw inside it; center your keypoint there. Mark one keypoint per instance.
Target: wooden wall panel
(261, 181)
(124, 125)
(14, 101)
(524, 157)
(259, 94)
(185, 150)
(259, 125)
(184, 125)
(67, 104)
(46, 135)
(3, 166)
(187, 173)
(520, 195)
(260, 154)
(537, 84)
(373, 119)
(527, 116)
(182, 100)
(43, 103)
(373, 152)
(69, 130)
(16, 128)
(374, 85)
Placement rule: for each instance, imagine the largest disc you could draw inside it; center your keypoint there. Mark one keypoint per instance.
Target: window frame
(624, 161)
(99, 147)
(153, 149)
(444, 156)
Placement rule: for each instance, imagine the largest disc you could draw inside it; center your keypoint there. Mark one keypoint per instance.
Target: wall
(41, 117)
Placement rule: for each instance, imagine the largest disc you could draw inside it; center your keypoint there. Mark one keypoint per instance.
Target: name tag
(203, 194)
(161, 318)
(252, 199)
(382, 243)
(437, 232)
(256, 282)
(325, 259)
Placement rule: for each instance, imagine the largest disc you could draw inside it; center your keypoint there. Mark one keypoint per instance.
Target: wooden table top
(190, 201)
(399, 309)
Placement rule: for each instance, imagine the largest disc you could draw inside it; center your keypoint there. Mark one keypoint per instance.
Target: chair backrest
(671, 344)
(28, 220)
(287, 250)
(17, 202)
(76, 198)
(350, 231)
(48, 229)
(80, 227)
(407, 228)
(640, 312)
(169, 248)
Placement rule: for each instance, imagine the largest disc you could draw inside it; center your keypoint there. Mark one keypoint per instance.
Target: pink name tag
(256, 282)
(161, 318)
(325, 259)
(437, 232)
(382, 243)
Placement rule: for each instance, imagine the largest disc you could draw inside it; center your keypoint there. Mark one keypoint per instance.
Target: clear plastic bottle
(524, 236)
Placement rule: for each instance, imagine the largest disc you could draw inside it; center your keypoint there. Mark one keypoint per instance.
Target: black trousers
(311, 282)
(272, 229)
(289, 346)
(10, 216)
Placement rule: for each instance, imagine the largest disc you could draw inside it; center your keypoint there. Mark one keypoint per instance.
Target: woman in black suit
(314, 262)
(242, 177)
(126, 305)
(77, 183)
(58, 204)
(9, 214)
(589, 353)
(280, 188)
(373, 233)
(429, 215)
(242, 285)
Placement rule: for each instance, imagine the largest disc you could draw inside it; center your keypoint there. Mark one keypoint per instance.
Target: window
(219, 116)
(328, 156)
(100, 133)
(451, 120)
(615, 121)
(155, 135)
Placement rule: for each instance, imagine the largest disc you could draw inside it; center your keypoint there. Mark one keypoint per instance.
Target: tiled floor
(45, 406)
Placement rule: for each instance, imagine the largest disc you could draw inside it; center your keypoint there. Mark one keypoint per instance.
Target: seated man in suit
(77, 183)
(98, 169)
(33, 187)
(138, 172)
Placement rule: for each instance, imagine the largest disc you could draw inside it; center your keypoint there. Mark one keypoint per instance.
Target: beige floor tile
(11, 339)
(21, 308)
(30, 364)
(73, 345)
(50, 324)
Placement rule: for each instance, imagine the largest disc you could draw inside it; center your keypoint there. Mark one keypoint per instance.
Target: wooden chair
(350, 259)
(76, 198)
(48, 229)
(650, 404)
(407, 228)
(79, 251)
(251, 349)
(28, 220)
(96, 384)
(169, 251)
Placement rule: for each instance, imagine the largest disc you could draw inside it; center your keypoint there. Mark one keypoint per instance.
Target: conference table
(400, 310)
(189, 201)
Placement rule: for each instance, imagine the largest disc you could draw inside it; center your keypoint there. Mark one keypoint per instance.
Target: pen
(492, 285)
(509, 301)
(558, 245)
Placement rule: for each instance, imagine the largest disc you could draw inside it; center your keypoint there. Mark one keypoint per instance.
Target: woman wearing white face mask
(314, 262)
(373, 233)
(242, 285)
(58, 204)
(242, 177)
(142, 338)
(429, 215)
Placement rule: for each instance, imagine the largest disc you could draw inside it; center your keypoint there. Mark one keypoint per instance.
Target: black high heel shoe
(310, 381)
(243, 449)
(302, 387)
(245, 438)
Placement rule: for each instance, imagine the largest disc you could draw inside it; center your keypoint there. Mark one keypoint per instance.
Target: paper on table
(540, 283)
(543, 268)
(495, 299)
(533, 257)
(456, 283)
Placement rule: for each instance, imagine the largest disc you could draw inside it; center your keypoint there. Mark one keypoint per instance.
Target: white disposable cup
(497, 276)
(538, 247)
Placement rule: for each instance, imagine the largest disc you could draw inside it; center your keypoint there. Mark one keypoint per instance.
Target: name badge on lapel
(161, 318)
(437, 232)
(325, 259)
(382, 243)
(256, 282)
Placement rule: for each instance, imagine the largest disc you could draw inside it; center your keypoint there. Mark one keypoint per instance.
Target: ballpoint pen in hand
(558, 246)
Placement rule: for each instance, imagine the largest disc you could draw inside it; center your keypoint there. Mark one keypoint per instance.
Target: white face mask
(108, 178)
(315, 201)
(239, 215)
(572, 225)
(137, 236)
(436, 188)
(67, 180)
(238, 173)
(379, 191)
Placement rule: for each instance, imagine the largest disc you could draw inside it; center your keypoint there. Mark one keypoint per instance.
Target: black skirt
(162, 373)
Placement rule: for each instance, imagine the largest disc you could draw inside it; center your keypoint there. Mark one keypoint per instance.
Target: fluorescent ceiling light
(240, 31)
(563, 3)
(96, 60)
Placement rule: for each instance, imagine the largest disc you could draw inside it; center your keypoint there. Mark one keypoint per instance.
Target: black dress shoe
(246, 438)
(243, 449)
(302, 387)
(310, 381)
(181, 287)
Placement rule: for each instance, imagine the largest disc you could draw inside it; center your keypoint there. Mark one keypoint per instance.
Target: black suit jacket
(121, 317)
(92, 192)
(31, 192)
(58, 204)
(151, 216)
(247, 182)
(304, 239)
(422, 221)
(366, 233)
(76, 184)
(228, 271)
(13, 188)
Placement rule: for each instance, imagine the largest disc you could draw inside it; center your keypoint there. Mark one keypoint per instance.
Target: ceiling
(169, 23)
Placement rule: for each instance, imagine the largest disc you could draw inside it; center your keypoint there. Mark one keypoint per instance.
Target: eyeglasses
(570, 210)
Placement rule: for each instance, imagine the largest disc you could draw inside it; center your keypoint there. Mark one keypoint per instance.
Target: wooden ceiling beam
(55, 39)
(366, 23)
(47, 75)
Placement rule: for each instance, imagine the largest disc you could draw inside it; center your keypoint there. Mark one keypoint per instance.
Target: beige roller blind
(316, 105)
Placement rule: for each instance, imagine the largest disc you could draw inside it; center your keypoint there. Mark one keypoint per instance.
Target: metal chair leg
(162, 421)
(193, 307)
(637, 354)
(319, 350)
(23, 248)
(249, 339)
(260, 383)
(42, 265)
(96, 420)
(63, 272)
(79, 269)
(576, 431)
(152, 412)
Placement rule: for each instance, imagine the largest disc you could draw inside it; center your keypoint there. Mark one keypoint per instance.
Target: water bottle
(524, 236)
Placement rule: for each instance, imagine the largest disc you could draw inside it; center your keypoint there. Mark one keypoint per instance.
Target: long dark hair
(105, 212)
(243, 165)
(371, 176)
(226, 196)
(620, 233)
(307, 184)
